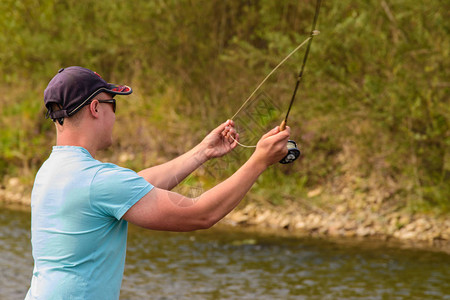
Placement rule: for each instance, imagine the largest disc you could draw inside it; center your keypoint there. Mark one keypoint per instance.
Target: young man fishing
(81, 206)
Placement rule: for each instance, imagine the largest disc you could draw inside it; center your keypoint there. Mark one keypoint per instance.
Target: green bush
(372, 112)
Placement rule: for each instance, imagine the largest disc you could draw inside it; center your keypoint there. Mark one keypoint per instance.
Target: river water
(228, 263)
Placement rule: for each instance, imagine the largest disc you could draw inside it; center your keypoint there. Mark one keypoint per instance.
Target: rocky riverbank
(419, 231)
(350, 219)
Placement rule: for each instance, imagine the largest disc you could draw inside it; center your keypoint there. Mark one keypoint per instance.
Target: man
(81, 206)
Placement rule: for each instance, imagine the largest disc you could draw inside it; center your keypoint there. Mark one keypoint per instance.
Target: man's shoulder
(109, 169)
(113, 177)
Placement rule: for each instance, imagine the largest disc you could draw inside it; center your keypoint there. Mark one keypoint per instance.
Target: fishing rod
(293, 151)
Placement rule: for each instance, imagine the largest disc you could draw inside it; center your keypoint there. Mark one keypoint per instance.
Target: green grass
(373, 110)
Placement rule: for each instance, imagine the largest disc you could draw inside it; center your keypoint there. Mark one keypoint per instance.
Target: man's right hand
(272, 146)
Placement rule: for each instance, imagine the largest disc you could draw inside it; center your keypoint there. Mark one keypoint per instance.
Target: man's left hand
(221, 140)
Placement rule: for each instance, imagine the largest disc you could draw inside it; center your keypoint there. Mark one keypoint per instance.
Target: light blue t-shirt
(77, 234)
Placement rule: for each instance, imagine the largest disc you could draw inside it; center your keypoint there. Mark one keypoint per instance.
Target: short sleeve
(115, 189)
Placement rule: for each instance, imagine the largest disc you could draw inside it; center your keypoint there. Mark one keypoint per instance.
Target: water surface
(228, 263)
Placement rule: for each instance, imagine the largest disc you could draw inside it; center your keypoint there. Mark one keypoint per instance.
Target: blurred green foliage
(372, 113)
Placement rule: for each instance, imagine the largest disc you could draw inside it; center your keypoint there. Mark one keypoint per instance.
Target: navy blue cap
(73, 87)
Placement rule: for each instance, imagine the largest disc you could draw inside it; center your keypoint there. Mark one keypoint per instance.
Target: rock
(350, 225)
(314, 193)
(405, 235)
(422, 225)
(238, 217)
(13, 182)
(284, 222)
(300, 225)
(340, 209)
(261, 218)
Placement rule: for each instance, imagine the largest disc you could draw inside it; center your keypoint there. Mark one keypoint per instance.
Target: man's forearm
(220, 200)
(168, 175)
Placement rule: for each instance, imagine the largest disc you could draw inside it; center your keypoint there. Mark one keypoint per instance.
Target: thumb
(221, 127)
(273, 131)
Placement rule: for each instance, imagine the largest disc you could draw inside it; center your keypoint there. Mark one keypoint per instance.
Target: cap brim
(118, 89)
(111, 89)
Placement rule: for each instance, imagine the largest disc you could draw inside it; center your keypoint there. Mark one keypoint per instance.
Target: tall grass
(372, 113)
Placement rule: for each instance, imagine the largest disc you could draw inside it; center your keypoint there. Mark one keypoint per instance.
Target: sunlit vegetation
(372, 113)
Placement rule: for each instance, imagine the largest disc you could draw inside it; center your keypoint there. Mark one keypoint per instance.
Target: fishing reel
(293, 153)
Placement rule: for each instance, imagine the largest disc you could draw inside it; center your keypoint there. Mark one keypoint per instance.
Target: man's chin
(106, 145)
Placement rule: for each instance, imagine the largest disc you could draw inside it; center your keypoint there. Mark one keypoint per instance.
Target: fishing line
(271, 72)
(293, 151)
(242, 145)
(316, 32)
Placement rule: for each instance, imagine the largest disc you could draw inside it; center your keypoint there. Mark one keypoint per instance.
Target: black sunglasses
(113, 101)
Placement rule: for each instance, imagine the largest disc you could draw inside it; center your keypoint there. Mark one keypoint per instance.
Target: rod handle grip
(283, 125)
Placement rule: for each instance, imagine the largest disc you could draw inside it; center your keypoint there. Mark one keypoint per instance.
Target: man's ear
(93, 108)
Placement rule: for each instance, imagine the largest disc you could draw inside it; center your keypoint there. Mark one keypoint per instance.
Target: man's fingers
(223, 126)
(273, 131)
(232, 140)
(231, 135)
(235, 141)
(276, 131)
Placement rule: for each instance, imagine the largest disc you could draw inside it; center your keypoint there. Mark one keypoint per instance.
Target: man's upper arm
(164, 210)
(115, 189)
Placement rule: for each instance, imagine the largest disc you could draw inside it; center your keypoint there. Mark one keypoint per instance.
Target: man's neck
(64, 140)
